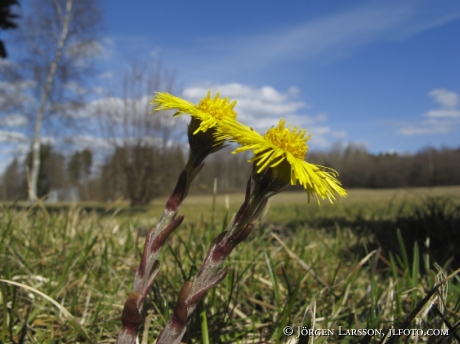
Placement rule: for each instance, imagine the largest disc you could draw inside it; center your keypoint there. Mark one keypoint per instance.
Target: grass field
(366, 263)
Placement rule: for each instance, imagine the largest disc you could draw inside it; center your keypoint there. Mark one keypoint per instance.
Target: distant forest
(140, 174)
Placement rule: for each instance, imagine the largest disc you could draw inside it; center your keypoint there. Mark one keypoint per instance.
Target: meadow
(370, 263)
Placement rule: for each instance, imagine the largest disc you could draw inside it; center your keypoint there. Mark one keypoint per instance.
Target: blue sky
(384, 74)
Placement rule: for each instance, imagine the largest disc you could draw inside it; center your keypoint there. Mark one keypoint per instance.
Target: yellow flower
(209, 110)
(281, 144)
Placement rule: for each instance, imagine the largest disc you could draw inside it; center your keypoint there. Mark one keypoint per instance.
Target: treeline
(360, 169)
(136, 173)
(141, 173)
(56, 173)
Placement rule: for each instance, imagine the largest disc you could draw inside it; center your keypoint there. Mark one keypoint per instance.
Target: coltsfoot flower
(209, 110)
(280, 145)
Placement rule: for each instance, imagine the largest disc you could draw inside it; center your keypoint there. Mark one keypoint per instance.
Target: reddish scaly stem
(209, 275)
(149, 266)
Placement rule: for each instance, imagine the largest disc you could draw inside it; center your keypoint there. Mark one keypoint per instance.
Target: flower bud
(272, 180)
(201, 143)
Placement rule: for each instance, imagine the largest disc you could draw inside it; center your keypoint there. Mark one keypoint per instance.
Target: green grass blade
(73, 322)
(415, 274)
(273, 279)
(402, 247)
(204, 327)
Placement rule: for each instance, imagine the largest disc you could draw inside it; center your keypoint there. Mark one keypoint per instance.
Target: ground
(364, 264)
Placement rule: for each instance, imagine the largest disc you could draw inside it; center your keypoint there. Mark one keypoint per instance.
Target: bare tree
(55, 43)
(143, 145)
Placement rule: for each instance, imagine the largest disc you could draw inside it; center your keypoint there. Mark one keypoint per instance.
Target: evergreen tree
(7, 21)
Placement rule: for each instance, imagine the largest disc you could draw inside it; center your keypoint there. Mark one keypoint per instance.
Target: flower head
(284, 144)
(209, 110)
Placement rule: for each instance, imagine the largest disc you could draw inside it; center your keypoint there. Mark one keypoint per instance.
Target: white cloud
(106, 75)
(116, 108)
(49, 140)
(98, 90)
(91, 142)
(262, 108)
(427, 128)
(76, 88)
(85, 50)
(12, 136)
(445, 98)
(16, 144)
(328, 37)
(259, 108)
(14, 121)
(443, 113)
(97, 144)
(155, 52)
(5, 63)
(107, 48)
(14, 94)
(322, 137)
(438, 121)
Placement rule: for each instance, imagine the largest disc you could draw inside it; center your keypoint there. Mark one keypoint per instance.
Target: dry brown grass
(354, 195)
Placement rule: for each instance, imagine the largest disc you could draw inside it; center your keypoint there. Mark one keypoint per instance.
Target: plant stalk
(210, 273)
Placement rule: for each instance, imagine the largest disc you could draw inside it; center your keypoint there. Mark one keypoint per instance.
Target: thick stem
(156, 237)
(210, 273)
